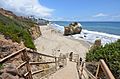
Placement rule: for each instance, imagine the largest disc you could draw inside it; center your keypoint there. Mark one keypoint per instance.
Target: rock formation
(7, 13)
(10, 72)
(97, 42)
(35, 31)
(7, 47)
(73, 28)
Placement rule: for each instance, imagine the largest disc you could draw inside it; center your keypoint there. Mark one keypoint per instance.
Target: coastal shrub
(110, 53)
(17, 30)
(1, 66)
(28, 40)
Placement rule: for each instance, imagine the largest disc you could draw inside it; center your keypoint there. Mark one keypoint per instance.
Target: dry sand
(52, 41)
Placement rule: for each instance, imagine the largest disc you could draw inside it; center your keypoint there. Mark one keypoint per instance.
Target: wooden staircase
(83, 72)
(27, 63)
(102, 68)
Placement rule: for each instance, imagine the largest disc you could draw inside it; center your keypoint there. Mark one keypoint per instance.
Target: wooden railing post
(26, 59)
(78, 69)
(65, 60)
(55, 63)
(106, 69)
(82, 70)
(97, 72)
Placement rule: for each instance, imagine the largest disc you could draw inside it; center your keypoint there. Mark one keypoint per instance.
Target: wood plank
(31, 51)
(97, 71)
(89, 74)
(106, 69)
(38, 71)
(67, 72)
(56, 64)
(36, 63)
(21, 65)
(11, 55)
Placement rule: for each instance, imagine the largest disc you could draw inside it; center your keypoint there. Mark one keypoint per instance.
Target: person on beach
(71, 56)
(80, 60)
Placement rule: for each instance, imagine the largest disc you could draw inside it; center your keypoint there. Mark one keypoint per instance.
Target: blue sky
(84, 10)
(80, 10)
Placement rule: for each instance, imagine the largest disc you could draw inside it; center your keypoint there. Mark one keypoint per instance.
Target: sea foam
(58, 27)
(90, 36)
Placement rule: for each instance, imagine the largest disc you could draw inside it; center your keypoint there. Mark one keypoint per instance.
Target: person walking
(71, 56)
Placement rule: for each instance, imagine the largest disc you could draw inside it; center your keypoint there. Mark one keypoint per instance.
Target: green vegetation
(110, 53)
(17, 30)
(1, 66)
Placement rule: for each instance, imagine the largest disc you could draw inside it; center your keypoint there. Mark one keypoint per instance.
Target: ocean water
(106, 31)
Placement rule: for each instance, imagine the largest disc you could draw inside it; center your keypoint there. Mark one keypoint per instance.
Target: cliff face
(7, 13)
(18, 28)
(35, 32)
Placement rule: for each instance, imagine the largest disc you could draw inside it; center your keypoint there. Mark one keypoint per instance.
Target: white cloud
(116, 16)
(100, 15)
(26, 7)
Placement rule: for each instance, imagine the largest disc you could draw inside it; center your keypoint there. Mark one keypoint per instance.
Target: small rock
(11, 70)
(0, 77)
(1, 71)
(17, 77)
(7, 76)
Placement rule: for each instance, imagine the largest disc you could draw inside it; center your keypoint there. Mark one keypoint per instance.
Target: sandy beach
(53, 42)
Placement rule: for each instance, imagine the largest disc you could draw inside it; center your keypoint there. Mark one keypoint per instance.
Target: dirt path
(68, 72)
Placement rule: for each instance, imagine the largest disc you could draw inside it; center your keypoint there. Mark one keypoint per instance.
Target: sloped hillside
(19, 29)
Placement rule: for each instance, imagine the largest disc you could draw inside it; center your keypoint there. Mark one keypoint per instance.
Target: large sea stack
(73, 28)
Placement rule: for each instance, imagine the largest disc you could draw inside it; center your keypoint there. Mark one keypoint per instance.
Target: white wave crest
(91, 36)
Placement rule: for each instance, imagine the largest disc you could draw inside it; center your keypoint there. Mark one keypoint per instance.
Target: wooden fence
(82, 70)
(26, 61)
(102, 68)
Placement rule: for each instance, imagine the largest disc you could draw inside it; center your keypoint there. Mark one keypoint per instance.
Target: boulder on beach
(97, 42)
(73, 28)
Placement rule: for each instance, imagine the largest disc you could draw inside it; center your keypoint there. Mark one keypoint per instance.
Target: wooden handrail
(35, 72)
(106, 69)
(103, 66)
(31, 51)
(11, 55)
(19, 51)
(36, 63)
(25, 57)
(90, 74)
(38, 71)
